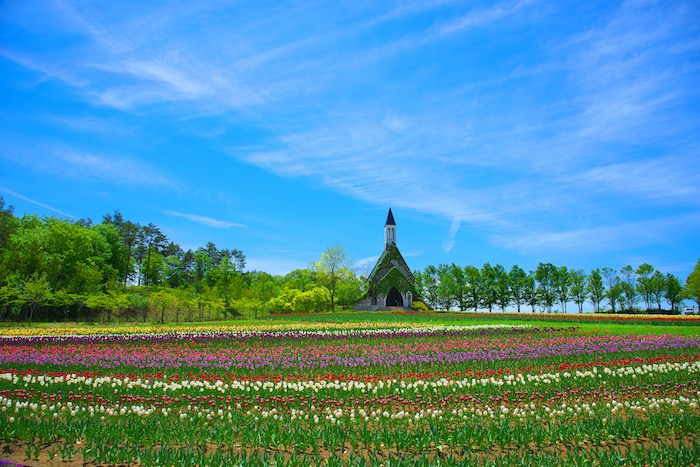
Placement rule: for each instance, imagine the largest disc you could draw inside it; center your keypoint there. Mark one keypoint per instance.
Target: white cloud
(484, 16)
(483, 147)
(449, 242)
(45, 206)
(587, 240)
(204, 220)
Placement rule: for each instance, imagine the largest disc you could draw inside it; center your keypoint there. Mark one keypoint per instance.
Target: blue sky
(513, 132)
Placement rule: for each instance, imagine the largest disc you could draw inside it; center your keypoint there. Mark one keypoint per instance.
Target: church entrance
(394, 298)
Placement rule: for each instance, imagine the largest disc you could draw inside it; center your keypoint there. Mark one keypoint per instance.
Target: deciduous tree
(517, 279)
(628, 282)
(545, 275)
(578, 287)
(595, 289)
(644, 283)
(691, 291)
(333, 267)
(614, 287)
(562, 285)
(674, 290)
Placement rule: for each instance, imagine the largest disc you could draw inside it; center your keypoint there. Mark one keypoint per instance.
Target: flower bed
(350, 395)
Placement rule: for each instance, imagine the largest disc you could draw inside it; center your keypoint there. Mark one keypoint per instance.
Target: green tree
(614, 287)
(459, 286)
(333, 267)
(9, 224)
(628, 282)
(284, 301)
(349, 291)
(62, 300)
(152, 240)
(595, 289)
(446, 287)
(578, 287)
(562, 286)
(98, 302)
(545, 275)
(139, 302)
(34, 292)
(311, 300)
(162, 300)
(472, 290)
(530, 292)
(658, 288)
(119, 304)
(262, 286)
(9, 295)
(691, 291)
(674, 291)
(129, 233)
(517, 279)
(301, 279)
(503, 296)
(644, 283)
(427, 285)
(489, 291)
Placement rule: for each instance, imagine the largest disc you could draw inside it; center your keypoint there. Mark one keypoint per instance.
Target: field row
(582, 398)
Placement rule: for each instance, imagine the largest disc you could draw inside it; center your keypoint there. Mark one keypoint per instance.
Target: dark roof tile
(390, 219)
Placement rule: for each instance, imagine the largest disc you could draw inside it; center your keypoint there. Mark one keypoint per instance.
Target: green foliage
(489, 290)
(427, 285)
(562, 285)
(420, 306)
(333, 267)
(578, 287)
(595, 289)
(629, 287)
(614, 287)
(284, 301)
(517, 280)
(691, 291)
(392, 279)
(546, 276)
(674, 291)
(645, 283)
(316, 299)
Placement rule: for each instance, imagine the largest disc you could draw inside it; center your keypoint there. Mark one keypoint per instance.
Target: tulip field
(380, 391)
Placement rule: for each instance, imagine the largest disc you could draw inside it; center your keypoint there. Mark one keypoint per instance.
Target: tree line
(59, 269)
(628, 290)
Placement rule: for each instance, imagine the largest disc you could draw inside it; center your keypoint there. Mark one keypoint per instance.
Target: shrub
(420, 306)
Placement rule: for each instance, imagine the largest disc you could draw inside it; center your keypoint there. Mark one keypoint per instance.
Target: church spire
(389, 230)
(390, 219)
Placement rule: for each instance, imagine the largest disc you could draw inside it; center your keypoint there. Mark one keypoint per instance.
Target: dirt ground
(16, 452)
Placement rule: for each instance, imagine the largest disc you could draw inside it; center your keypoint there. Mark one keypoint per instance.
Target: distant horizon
(515, 132)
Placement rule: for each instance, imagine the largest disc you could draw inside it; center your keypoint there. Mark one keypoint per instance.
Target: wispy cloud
(513, 140)
(480, 17)
(589, 240)
(665, 179)
(64, 161)
(45, 206)
(449, 242)
(204, 220)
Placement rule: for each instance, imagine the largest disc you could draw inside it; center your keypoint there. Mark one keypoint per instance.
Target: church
(391, 282)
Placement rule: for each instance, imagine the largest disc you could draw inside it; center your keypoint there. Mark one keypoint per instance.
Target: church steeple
(389, 230)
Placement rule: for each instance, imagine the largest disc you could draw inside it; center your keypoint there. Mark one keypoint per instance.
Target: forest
(56, 269)
(550, 288)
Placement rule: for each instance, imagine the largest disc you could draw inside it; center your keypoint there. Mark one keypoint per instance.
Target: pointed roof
(390, 219)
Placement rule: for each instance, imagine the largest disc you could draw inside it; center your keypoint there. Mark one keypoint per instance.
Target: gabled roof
(390, 258)
(390, 219)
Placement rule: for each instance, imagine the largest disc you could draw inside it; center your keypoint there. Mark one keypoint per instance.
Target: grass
(447, 319)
